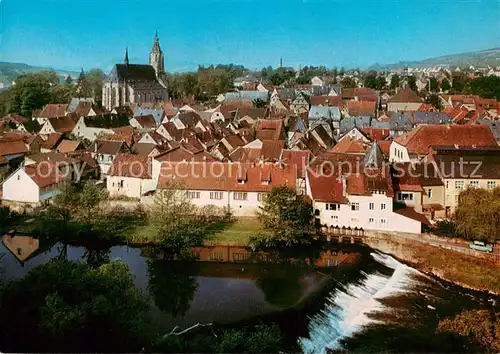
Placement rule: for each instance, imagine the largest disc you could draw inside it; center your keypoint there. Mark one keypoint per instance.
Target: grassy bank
(235, 233)
(459, 268)
(238, 232)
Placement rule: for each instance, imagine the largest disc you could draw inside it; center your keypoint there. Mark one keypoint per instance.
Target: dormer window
(265, 176)
(242, 176)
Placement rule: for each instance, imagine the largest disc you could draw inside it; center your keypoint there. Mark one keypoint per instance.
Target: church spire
(156, 59)
(126, 56)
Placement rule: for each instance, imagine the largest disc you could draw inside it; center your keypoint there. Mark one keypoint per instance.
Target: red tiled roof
(46, 173)
(51, 140)
(376, 134)
(350, 146)
(146, 122)
(361, 108)
(424, 107)
(15, 118)
(83, 109)
(385, 146)
(128, 165)
(404, 96)
(299, 158)
(269, 129)
(271, 149)
(419, 140)
(225, 176)
(326, 188)
(53, 111)
(66, 146)
(12, 148)
(63, 124)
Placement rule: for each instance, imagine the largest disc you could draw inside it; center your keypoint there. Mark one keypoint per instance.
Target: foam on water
(347, 309)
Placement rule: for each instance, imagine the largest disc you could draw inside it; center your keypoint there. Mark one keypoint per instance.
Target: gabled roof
(419, 140)
(326, 188)
(51, 140)
(12, 148)
(66, 146)
(107, 147)
(350, 146)
(53, 110)
(63, 124)
(361, 108)
(133, 73)
(406, 95)
(83, 109)
(146, 121)
(227, 176)
(269, 129)
(254, 113)
(128, 165)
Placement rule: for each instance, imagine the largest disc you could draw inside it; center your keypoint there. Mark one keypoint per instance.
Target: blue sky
(69, 34)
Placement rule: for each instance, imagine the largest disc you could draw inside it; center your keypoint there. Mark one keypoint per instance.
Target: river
(319, 295)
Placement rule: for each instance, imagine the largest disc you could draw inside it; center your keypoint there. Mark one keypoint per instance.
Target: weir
(347, 309)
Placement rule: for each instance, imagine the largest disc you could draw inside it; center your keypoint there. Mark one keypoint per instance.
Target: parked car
(481, 246)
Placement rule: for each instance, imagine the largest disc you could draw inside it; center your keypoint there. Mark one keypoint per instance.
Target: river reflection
(221, 284)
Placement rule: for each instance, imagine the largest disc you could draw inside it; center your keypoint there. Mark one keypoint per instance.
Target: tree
(445, 85)
(433, 84)
(412, 83)
(486, 86)
(380, 83)
(459, 82)
(394, 82)
(435, 101)
(477, 214)
(179, 224)
(370, 80)
(259, 103)
(286, 218)
(90, 203)
(348, 82)
(481, 327)
(172, 285)
(65, 306)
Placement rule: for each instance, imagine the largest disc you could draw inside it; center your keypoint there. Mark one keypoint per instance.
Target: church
(136, 83)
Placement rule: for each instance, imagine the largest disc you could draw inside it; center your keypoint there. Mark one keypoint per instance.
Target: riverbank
(461, 269)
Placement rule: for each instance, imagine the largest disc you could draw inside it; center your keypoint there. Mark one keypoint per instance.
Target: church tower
(156, 57)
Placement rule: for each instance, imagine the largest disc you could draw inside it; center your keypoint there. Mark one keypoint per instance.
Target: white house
(414, 145)
(85, 130)
(362, 201)
(36, 183)
(130, 176)
(240, 188)
(317, 81)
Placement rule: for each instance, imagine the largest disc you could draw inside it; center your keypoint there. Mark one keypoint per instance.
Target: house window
(120, 184)
(371, 206)
(459, 184)
(382, 206)
(474, 184)
(355, 206)
(383, 222)
(491, 184)
(18, 177)
(216, 195)
(429, 193)
(405, 196)
(261, 197)
(240, 196)
(216, 256)
(335, 217)
(371, 220)
(333, 207)
(193, 195)
(447, 184)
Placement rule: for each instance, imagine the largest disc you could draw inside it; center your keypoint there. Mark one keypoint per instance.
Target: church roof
(134, 72)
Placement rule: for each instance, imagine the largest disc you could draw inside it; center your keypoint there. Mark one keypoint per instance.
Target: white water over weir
(346, 311)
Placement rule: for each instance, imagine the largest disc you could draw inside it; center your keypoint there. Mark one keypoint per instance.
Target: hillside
(9, 72)
(489, 57)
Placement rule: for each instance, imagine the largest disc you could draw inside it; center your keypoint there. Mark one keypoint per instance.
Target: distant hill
(10, 71)
(481, 58)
